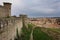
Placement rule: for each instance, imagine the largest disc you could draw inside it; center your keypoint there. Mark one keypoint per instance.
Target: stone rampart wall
(8, 28)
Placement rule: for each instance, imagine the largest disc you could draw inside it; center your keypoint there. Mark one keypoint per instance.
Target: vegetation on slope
(25, 33)
(40, 35)
(52, 32)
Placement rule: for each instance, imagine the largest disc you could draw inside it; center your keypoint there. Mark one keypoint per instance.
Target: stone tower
(5, 10)
(23, 16)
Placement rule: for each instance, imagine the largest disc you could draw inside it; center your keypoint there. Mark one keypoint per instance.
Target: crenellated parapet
(5, 22)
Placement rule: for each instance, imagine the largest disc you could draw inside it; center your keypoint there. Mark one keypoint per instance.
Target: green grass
(39, 35)
(25, 34)
(30, 27)
(54, 29)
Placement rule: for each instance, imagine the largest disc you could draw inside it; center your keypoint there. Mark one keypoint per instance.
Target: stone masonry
(8, 28)
(5, 10)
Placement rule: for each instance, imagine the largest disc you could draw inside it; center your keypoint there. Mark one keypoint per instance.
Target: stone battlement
(5, 10)
(5, 22)
(8, 28)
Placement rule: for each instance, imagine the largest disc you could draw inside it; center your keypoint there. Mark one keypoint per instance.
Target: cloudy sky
(35, 8)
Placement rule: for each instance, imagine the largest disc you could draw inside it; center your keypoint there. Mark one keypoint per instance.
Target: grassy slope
(53, 32)
(40, 35)
(55, 29)
(26, 32)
